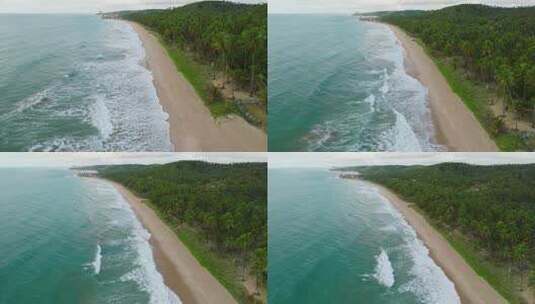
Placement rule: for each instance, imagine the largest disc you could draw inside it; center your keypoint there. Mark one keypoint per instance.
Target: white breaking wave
(427, 282)
(430, 283)
(114, 92)
(371, 101)
(320, 135)
(100, 116)
(413, 129)
(384, 273)
(97, 262)
(401, 138)
(385, 88)
(128, 115)
(145, 274)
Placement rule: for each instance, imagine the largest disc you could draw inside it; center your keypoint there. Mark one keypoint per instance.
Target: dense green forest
(231, 35)
(226, 203)
(491, 46)
(493, 206)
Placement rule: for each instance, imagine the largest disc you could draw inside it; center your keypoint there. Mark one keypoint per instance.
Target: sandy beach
(192, 127)
(469, 285)
(456, 126)
(181, 271)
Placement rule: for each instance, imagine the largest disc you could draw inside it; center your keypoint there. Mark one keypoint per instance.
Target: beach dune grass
(475, 96)
(198, 76)
(222, 269)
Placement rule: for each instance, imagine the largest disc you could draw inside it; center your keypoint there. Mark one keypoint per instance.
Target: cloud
(88, 6)
(65, 160)
(352, 6)
(329, 160)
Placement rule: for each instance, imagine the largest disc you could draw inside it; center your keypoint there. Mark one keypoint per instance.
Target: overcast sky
(56, 159)
(352, 6)
(88, 6)
(329, 160)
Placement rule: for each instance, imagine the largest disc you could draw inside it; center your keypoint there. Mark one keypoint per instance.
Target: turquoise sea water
(76, 82)
(333, 240)
(339, 84)
(71, 240)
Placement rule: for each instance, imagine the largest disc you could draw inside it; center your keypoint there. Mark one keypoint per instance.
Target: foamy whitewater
(339, 84)
(69, 240)
(384, 273)
(98, 258)
(77, 83)
(334, 240)
(429, 282)
(144, 272)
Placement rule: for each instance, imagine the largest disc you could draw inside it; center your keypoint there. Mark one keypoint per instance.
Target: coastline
(191, 125)
(182, 273)
(469, 285)
(456, 126)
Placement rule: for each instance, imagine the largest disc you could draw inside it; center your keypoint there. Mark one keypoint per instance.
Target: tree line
(493, 45)
(494, 206)
(227, 203)
(231, 36)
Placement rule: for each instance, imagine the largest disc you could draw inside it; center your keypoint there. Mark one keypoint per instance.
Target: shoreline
(469, 285)
(191, 125)
(456, 127)
(181, 271)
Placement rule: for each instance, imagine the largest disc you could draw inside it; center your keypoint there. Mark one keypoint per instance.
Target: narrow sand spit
(191, 124)
(457, 127)
(181, 271)
(471, 287)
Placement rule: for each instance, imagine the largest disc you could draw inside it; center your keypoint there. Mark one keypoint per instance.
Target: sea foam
(401, 138)
(428, 282)
(145, 273)
(101, 117)
(406, 97)
(112, 93)
(384, 273)
(97, 262)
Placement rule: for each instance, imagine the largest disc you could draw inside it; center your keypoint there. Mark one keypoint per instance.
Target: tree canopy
(494, 45)
(494, 206)
(226, 202)
(230, 35)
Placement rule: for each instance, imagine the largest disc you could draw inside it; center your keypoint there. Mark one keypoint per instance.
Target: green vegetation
(475, 97)
(197, 76)
(483, 52)
(486, 212)
(219, 211)
(210, 36)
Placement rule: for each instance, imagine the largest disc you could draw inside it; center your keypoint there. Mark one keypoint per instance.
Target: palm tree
(504, 79)
(520, 255)
(243, 242)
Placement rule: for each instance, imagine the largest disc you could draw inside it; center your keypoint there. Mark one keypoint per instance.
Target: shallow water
(70, 240)
(76, 82)
(338, 84)
(337, 241)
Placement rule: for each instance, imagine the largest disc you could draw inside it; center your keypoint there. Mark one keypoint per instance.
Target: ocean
(339, 84)
(76, 83)
(68, 240)
(335, 240)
